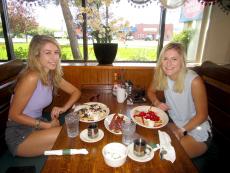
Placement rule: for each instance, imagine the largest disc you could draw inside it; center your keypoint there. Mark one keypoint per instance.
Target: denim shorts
(15, 134)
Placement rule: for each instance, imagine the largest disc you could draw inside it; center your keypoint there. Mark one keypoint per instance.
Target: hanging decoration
(224, 5)
(208, 2)
(140, 3)
(32, 2)
(172, 3)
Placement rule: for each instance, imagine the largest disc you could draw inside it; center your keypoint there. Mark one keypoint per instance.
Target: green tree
(65, 5)
(22, 20)
(184, 37)
(41, 30)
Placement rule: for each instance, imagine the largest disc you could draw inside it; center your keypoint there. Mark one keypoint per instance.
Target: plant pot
(105, 52)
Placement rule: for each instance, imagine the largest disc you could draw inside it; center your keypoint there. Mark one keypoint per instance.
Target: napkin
(165, 145)
(66, 152)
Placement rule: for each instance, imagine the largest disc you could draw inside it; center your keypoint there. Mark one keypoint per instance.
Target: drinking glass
(72, 124)
(128, 130)
(93, 130)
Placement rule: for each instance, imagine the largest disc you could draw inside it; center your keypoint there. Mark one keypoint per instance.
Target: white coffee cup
(121, 95)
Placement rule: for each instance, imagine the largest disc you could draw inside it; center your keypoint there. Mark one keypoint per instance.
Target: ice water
(128, 130)
(72, 125)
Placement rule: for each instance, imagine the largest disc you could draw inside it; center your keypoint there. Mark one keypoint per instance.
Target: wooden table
(94, 162)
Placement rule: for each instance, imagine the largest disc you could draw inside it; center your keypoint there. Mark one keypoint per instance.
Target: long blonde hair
(160, 78)
(54, 76)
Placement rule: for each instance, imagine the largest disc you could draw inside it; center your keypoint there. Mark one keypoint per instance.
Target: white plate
(107, 121)
(163, 116)
(84, 136)
(93, 115)
(145, 158)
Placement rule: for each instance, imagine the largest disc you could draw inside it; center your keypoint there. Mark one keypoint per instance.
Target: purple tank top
(40, 99)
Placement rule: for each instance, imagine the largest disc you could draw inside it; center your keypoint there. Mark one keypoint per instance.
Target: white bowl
(115, 154)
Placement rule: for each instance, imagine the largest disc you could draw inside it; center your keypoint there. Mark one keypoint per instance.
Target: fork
(150, 107)
(162, 153)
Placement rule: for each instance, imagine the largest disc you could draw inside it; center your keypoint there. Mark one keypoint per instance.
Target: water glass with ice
(128, 130)
(72, 124)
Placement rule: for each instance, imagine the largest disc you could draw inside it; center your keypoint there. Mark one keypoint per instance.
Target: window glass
(185, 22)
(136, 42)
(3, 53)
(30, 18)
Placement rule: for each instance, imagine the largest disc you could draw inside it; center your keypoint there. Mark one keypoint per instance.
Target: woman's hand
(162, 106)
(56, 111)
(178, 132)
(54, 123)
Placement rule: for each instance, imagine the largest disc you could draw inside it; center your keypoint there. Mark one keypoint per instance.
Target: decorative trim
(140, 3)
(208, 2)
(224, 5)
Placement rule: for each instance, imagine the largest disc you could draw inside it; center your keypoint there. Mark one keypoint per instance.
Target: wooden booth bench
(217, 82)
(8, 75)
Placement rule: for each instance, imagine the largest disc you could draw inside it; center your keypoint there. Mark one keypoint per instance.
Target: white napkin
(66, 152)
(165, 144)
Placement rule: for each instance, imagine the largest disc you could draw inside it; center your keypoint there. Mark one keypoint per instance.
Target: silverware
(150, 107)
(162, 153)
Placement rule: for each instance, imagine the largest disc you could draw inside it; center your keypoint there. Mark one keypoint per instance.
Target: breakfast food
(91, 112)
(149, 118)
(116, 122)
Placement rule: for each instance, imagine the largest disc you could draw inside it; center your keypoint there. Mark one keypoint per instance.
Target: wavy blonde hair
(54, 76)
(160, 78)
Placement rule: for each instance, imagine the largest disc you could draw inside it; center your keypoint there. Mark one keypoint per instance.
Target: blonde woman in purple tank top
(26, 134)
(186, 99)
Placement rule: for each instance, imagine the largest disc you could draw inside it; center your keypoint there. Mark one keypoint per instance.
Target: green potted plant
(103, 28)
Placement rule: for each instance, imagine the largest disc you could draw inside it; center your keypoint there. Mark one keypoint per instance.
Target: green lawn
(123, 54)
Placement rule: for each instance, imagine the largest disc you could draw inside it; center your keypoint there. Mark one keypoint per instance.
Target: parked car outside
(148, 38)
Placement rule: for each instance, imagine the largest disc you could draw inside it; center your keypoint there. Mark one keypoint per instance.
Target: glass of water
(72, 124)
(128, 131)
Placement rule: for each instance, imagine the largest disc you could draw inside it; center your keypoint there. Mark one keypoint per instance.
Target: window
(186, 23)
(136, 43)
(3, 53)
(139, 40)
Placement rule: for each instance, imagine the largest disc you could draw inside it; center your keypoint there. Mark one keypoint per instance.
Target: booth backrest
(217, 82)
(8, 74)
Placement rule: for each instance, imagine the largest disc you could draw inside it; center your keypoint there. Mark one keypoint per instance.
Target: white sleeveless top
(182, 107)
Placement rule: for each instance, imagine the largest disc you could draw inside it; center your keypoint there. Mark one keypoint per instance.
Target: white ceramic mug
(121, 95)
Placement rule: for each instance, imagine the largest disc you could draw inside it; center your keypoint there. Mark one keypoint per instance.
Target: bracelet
(184, 131)
(37, 124)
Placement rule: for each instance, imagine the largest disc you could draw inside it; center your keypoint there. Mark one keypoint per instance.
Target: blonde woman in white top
(186, 99)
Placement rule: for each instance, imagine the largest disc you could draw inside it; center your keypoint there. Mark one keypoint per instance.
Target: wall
(86, 76)
(217, 43)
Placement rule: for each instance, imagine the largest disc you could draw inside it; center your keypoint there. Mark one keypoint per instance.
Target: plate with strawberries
(149, 117)
(114, 121)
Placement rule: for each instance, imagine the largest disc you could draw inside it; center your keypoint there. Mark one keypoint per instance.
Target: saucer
(84, 136)
(145, 158)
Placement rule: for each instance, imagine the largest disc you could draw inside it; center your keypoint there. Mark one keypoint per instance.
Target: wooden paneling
(103, 75)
